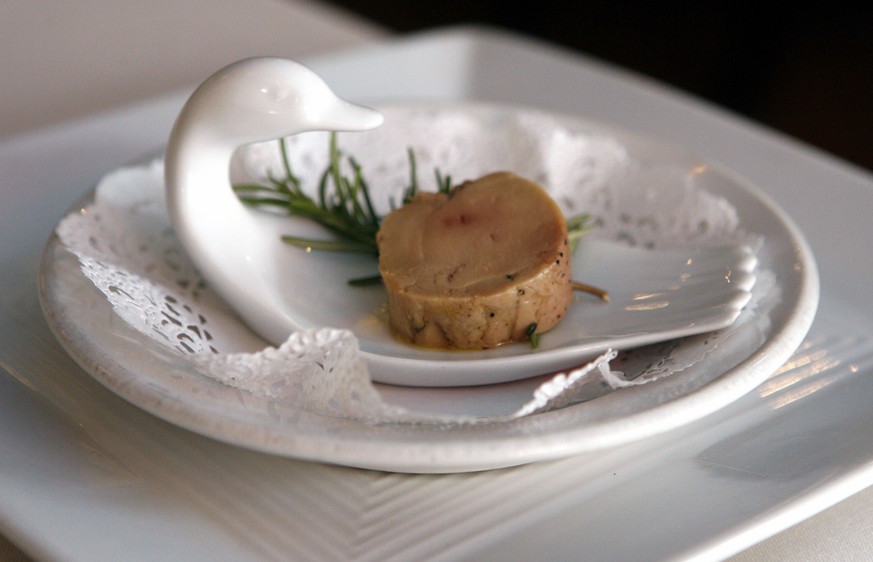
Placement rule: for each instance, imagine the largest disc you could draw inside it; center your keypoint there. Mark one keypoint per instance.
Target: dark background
(807, 71)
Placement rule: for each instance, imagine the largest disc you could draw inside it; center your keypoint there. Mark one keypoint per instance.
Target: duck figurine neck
(252, 100)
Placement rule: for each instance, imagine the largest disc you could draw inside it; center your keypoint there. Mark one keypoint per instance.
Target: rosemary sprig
(344, 205)
(345, 208)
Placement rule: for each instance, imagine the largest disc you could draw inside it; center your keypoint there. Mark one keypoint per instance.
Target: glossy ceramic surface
(251, 100)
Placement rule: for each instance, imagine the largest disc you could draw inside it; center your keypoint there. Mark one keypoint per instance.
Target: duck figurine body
(252, 100)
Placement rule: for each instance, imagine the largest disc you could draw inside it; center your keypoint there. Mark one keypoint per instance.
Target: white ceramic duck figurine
(249, 101)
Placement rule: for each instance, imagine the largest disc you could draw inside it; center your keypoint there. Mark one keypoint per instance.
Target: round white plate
(160, 381)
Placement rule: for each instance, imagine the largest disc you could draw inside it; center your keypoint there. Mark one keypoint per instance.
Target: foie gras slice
(477, 267)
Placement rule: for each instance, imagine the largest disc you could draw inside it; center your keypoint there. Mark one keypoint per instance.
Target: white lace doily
(126, 247)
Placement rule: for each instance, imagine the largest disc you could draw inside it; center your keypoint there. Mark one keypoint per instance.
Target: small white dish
(656, 296)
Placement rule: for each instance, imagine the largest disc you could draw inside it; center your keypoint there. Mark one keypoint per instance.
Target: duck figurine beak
(252, 100)
(345, 116)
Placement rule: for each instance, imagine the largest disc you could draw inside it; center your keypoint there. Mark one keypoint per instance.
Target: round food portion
(478, 266)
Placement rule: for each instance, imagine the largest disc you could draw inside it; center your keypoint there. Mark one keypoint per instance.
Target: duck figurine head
(252, 100)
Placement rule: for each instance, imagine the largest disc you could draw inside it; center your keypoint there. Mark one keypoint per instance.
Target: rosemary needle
(591, 290)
